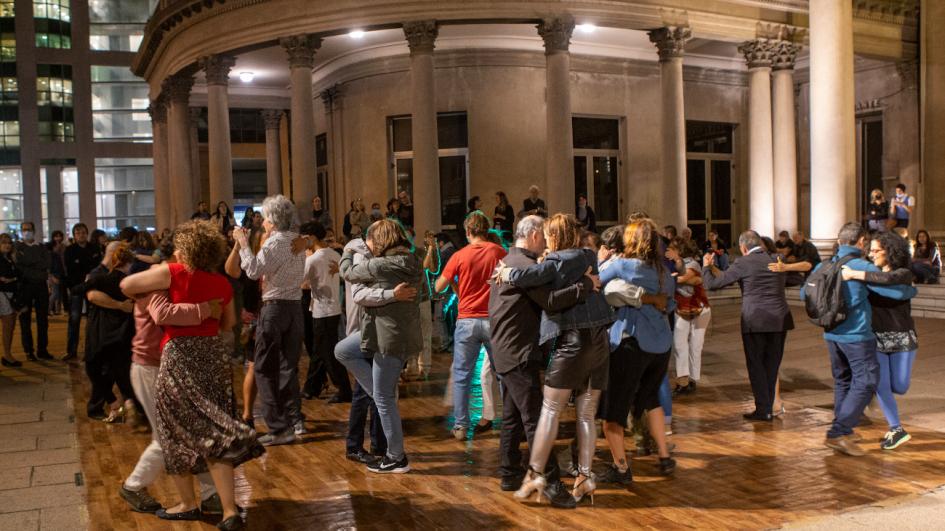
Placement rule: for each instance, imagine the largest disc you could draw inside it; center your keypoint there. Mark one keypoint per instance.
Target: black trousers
(361, 405)
(278, 342)
(322, 360)
(763, 353)
(108, 367)
(34, 296)
(521, 407)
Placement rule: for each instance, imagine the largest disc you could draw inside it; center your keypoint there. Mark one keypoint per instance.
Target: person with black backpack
(843, 309)
(766, 317)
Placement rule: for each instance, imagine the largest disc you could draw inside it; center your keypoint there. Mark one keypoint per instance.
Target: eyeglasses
(877, 251)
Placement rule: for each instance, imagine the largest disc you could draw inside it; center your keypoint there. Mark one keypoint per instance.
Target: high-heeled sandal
(533, 482)
(584, 486)
(114, 416)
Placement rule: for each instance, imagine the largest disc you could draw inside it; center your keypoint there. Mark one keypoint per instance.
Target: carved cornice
(556, 32)
(421, 35)
(301, 50)
(158, 111)
(759, 53)
(272, 118)
(217, 68)
(905, 12)
(177, 88)
(784, 56)
(780, 32)
(670, 41)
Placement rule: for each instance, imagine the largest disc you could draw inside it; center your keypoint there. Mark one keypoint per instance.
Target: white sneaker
(299, 428)
(270, 439)
(459, 433)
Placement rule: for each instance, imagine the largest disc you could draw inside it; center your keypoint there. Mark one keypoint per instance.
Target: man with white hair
(515, 319)
(533, 205)
(279, 332)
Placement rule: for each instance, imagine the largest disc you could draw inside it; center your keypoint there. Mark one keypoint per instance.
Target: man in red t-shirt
(468, 271)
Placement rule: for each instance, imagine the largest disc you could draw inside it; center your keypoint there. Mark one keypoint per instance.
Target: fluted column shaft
(163, 211)
(559, 143)
(273, 119)
(217, 69)
(784, 137)
(196, 171)
(178, 146)
(421, 37)
(832, 120)
(301, 51)
(761, 157)
(670, 42)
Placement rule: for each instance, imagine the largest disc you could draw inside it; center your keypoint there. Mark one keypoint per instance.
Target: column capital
(759, 53)
(330, 97)
(784, 55)
(158, 111)
(556, 32)
(301, 50)
(194, 114)
(670, 41)
(272, 118)
(177, 87)
(217, 68)
(421, 35)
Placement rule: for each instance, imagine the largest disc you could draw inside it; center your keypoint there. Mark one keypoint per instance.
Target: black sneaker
(45, 356)
(360, 456)
(482, 428)
(140, 501)
(613, 475)
(389, 466)
(559, 496)
(511, 483)
(895, 438)
(667, 466)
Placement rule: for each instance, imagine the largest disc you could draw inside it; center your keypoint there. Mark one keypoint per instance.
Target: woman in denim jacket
(579, 355)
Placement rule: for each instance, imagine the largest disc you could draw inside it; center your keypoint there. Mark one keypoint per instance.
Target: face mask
(376, 212)
(27, 235)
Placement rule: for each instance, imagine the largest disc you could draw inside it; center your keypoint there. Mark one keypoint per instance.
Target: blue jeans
(666, 397)
(855, 377)
(76, 303)
(895, 371)
(471, 336)
(379, 380)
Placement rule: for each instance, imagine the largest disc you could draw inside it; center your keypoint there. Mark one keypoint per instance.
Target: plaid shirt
(280, 269)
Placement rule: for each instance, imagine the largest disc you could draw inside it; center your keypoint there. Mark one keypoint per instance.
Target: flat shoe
(191, 515)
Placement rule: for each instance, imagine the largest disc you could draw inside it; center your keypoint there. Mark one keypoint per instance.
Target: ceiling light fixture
(247, 77)
(356, 34)
(586, 28)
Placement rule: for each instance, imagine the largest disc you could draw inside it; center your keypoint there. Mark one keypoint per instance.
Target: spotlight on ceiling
(586, 28)
(356, 34)
(247, 77)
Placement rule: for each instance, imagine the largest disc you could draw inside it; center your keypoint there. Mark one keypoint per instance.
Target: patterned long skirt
(197, 417)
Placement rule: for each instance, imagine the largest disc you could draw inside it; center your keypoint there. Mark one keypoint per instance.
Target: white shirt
(325, 285)
(280, 269)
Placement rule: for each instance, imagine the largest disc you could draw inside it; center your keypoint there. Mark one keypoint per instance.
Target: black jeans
(76, 303)
(521, 407)
(322, 361)
(361, 405)
(278, 342)
(763, 353)
(34, 296)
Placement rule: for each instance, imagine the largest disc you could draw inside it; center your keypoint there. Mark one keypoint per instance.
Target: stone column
(163, 211)
(671, 41)
(55, 203)
(179, 160)
(758, 55)
(217, 69)
(336, 197)
(559, 143)
(832, 120)
(784, 137)
(273, 118)
(197, 179)
(421, 36)
(301, 51)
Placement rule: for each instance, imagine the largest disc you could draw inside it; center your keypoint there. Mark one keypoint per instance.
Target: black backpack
(823, 292)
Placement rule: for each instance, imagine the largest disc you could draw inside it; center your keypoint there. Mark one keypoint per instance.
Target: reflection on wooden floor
(731, 474)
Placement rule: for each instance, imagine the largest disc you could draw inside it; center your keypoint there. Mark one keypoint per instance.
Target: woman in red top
(198, 424)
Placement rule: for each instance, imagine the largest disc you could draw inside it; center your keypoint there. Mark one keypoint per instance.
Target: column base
(825, 248)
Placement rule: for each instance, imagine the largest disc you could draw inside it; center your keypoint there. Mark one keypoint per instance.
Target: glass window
(7, 36)
(124, 192)
(9, 134)
(118, 26)
(246, 126)
(7, 8)
(321, 150)
(709, 137)
(119, 105)
(595, 133)
(11, 199)
(54, 9)
(451, 130)
(401, 131)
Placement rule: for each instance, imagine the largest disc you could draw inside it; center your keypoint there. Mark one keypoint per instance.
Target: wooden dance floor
(731, 473)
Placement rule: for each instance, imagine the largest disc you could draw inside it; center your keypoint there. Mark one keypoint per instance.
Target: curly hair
(385, 234)
(120, 256)
(896, 247)
(685, 248)
(200, 245)
(562, 231)
(641, 240)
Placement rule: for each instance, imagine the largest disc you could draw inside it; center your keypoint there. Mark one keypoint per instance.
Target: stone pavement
(41, 484)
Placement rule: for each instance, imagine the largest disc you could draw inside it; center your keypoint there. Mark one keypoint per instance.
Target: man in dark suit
(766, 317)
